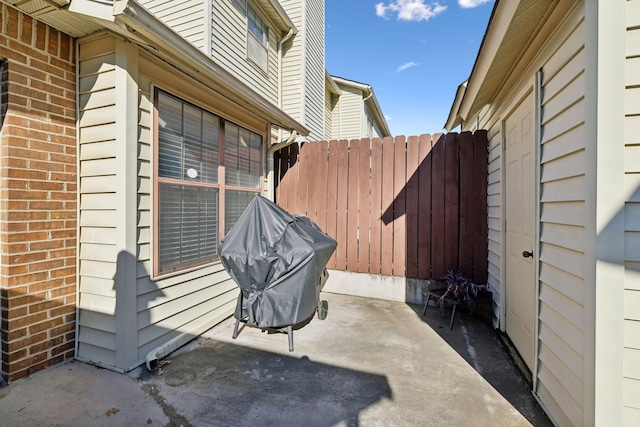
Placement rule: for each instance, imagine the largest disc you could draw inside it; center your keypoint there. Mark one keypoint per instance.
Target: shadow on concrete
(220, 383)
(475, 340)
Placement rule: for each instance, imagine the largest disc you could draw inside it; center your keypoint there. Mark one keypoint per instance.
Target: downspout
(154, 356)
(269, 181)
(364, 116)
(280, 55)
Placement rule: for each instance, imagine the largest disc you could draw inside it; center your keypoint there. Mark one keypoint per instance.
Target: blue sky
(414, 53)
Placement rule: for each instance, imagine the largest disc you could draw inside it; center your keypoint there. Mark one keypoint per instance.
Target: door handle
(527, 254)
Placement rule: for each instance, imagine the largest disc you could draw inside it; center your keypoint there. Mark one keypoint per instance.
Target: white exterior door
(520, 228)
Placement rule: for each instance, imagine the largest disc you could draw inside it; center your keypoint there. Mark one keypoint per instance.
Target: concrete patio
(370, 363)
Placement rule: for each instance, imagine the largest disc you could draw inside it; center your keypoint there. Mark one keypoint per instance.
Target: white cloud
(468, 4)
(387, 118)
(405, 66)
(411, 10)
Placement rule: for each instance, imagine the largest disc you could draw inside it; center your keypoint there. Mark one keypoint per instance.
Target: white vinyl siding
(97, 205)
(186, 18)
(631, 337)
(495, 218)
(115, 211)
(293, 80)
(351, 113)
(563, 234)
(314, 69)
(328, 115)
(303, 66)
(229, 49)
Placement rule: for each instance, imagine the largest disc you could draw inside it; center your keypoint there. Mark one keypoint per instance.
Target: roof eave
(332, 86)
(512, 27)
(278, 15)
(190, 60)
(454, 118)
(499, 21)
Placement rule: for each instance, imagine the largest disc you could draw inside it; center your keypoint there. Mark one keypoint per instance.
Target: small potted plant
(461, 289)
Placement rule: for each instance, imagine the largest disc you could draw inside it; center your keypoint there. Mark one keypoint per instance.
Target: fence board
(387, 206)
(294, 169)
(341, 230)
(364, 190)
(300, 200)
(332, 198)
(278, 163)
(376, 207)
(438, 267)
(313, 156)
(352, 206)
(321, 206)
(399, 207)
(451, 201)
(414, 207)
(282, 192)
(424, 207)
(467, 199)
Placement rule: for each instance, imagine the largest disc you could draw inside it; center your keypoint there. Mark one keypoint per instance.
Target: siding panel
(350, 113)
(97, 170)
(563, 235)
(631, 331)
(495, 218)
(186, 18)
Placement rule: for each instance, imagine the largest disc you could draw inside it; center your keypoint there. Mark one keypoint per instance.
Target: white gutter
(283, 144)
(372, 100)
(364, 127)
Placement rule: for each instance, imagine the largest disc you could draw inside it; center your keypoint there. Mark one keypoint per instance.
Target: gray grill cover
(277, 260)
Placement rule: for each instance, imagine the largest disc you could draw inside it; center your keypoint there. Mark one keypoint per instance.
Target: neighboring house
(352, 111)
(111, 118)
(557, 86)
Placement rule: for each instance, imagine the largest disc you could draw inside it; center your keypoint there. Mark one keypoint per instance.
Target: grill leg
(453, 316)
(235, 330)
(290, 335)
(426, 304)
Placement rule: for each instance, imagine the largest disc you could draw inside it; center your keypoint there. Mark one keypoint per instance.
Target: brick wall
(37, 195)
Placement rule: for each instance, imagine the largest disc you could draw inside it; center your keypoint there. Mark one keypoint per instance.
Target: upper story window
(207, 171)
(257, 36)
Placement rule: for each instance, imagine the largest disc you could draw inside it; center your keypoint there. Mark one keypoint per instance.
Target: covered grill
(278, 260)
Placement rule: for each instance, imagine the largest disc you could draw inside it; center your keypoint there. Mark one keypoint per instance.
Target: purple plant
(460, 288)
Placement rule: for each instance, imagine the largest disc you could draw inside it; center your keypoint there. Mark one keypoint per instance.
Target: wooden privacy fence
(412, 207)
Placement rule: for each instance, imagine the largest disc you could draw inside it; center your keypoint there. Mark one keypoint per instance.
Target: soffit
(54, 14)
(276, 13)
(526, 21)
